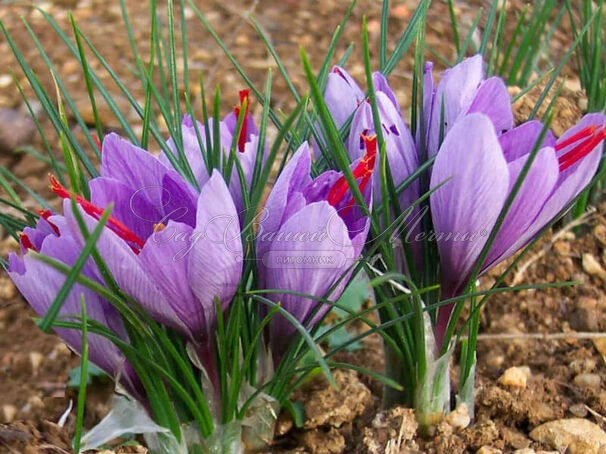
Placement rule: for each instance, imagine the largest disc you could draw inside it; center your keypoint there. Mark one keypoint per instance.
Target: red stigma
(112, 223)
(244, 95)
(96, 140)
(45, 214)
(363, 170)
(26, 242)
(591, 136)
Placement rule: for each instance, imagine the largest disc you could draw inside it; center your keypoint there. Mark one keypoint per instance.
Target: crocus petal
(131, 207)
(125, 268)
(294, 177)
(536, 188)
(215, 260)
(231, 121)
(492, 99)
(178, 200)
(39, 283)
(247, 160)
(570, 182)
(381, 85)
(342, 95)
(191, 149)
(465, 209)
(300, 262)
(456, 89)
(521, 140)
(164, 259)
(134, 167)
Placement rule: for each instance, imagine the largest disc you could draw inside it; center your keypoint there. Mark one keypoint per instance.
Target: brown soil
(35, 365)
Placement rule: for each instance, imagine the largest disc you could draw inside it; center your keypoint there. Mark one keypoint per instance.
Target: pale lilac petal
(465, 209)
(456, 90)
(381, 85)
(293, 179)
(191, 149)
(361, 124)
(178, 200)
(39, 283)
(492, 99)
(521, 140)
(215, 260)
(533, 193)
(428, 94)
(134, 167)
(124, 266)
(570, 182)
(231, 120)
(342, 95)
(131, 207)
(164, 259)
(302, 262)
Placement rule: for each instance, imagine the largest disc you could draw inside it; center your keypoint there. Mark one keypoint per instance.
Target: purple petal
(131, 207)
(570, 182)
(457, 90)
(293, 179)
(39, 283)
(178, 200)
(381, 85)
(191, 149)
(134, 167)
(492, 99)
(465, 209)
(533, 193)
(342, 95)
(164, 259)
(521, 140)
(125, 268)
(316, 263)
(215, 260)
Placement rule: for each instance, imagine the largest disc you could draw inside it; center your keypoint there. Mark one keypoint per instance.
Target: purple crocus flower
(343, 98)
(309, 236)
(483, 168)
(462, 90)
(39, 284)
(170, 249)
(247, 147)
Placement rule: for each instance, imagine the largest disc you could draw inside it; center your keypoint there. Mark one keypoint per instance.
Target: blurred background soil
(557, 373)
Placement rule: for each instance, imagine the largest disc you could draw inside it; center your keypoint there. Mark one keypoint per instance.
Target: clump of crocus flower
(176, 251)
(466, 124)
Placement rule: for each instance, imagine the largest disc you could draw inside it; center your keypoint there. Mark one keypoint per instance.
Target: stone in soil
(16, 129)
(574, 436)
(515, 377)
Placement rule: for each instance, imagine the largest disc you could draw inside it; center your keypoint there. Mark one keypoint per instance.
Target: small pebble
(525, 451)
(8, 413)
(574, 436)
(587, 380)
(561, 247)
(488, 450)
(592, 266)
(35, 359)
(516, 377)
(459, 418)
(578, 410)
(5, 80)
(495, 360)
